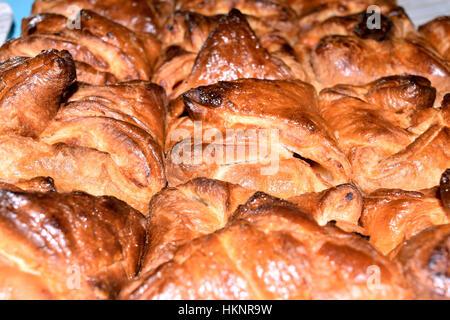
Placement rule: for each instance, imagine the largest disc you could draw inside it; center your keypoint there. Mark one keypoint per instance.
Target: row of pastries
(100, 100)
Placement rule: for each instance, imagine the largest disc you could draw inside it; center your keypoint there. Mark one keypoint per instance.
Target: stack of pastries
(114, 183)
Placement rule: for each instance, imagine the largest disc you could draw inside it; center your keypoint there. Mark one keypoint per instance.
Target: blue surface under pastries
(21, 9)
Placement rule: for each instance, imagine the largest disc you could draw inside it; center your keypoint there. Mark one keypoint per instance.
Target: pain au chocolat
(218, 149)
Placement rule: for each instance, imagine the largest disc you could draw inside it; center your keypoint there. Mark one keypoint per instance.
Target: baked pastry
(425, 260)
(394, 23)
(178, 215)
(391, 217)
(238, 261)
(260, 134)
(105, 140)
(341, 204)
(437, 33)
(137, 15)
(314, 12)
(100, 142)
(390, 132)
(278, 15)
(104, 50)
(67, 246)
(365, 55)
(230, 51)
(236, 122)
(31, 91)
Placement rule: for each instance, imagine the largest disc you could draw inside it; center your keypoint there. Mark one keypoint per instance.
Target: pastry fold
(104, 140)
(264, 135)
(390, 132)
(104, 51)
(268, 249)
(137, 15)
(67, 246)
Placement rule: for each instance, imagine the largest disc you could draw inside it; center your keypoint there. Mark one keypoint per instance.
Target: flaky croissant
(137, 15)
(390, 132)
(66, 246)
(231, 51)
(393, 216)
(425, 260)
(437, 33)
(264, 135)
(394, 23)
(278, 15)
(31, 91)
(361, 55)
(104, 50)
(178, 215)
(269, 249)
(314, 12)
(105, 140)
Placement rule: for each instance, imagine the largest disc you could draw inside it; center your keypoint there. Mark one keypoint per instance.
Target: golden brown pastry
(106, 140)
(278, 16)
(103, 49)
(437, 32)
(425, 259)
(137, 15)
(231, 51)
(393, 24)
(202, 206)
(260, 134)
(41, 82)
(390, 132)
(341, 204)
(392, 216)
(179, 215)
(67, 246)
(316, 11)
(362, 55)
(272, 250)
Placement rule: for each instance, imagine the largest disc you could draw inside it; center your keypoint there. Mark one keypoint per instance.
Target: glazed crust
(445, 189)
(104, 49)
(139, 16)
(50, 238)
(292, 131)
(389, 131)
(356, 55)
(41, 82)
(437, 32)
(231, 51)
(232, 126)
(237, 262)
(106, 140)
(182, 214)
(425, 260)
(391, 217)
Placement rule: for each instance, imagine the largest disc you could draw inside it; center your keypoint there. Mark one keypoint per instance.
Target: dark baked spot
(349, 196)
(379, 34)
